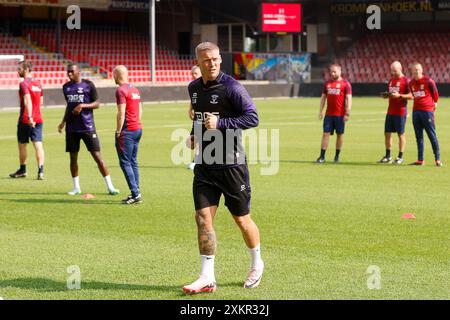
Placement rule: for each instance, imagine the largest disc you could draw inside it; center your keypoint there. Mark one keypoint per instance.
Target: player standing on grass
(222, 106)
(338, 93)
(128, 131)
(425, 95)
(398, 93)
(81, 97)
(30, 124)
(195, 73)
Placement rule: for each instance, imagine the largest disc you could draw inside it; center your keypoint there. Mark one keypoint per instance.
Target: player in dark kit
(30, 122)
(222, 108)
(128, 131)
(337, 92)
(398, 92)
(81, 97)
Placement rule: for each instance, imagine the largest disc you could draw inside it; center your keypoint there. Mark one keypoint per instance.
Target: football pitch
(324, 228)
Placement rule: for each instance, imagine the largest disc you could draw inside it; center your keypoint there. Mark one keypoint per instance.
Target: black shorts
(25, 133)
(234, 183)
(90, 139)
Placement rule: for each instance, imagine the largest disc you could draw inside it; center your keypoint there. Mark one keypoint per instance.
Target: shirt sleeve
(94, 94)
(244, 106)
(406, 84)
(24, 88)
(324, 91)
(433, 90)
(348, 88)
(121, 96)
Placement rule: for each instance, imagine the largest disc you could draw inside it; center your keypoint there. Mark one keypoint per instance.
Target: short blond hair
(206, 46)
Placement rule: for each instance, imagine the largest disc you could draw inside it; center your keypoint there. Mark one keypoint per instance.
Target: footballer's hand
(191, 112)
(61, 127)
(384, 95)
(190, 142)
(31, 123)
(395, 95)
(320, 115)
(77, 110)
(211, 121)
(346, 117)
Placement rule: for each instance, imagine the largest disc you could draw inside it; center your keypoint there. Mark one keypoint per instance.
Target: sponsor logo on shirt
(334, 91)
(35, 89)
(75, 98)
(135, 96)
(201, 116)
(419, 94)
(394, 89)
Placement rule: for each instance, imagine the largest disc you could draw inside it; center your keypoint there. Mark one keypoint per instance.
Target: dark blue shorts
(25, 133)
(333, 123)
(395, 123)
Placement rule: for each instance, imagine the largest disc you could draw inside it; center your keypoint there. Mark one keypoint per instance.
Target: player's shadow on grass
(67, 201)
(340, 164)
(49, 285)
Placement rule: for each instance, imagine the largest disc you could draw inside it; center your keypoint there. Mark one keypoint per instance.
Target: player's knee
(243, 221)
(202, 218)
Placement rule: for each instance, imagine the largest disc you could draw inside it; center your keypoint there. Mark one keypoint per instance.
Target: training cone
(408, 216)
(88, 196)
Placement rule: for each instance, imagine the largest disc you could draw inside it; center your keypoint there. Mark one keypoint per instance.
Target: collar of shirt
(214, 82)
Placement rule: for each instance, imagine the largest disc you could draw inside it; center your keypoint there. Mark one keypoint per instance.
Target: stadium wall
(54, 97)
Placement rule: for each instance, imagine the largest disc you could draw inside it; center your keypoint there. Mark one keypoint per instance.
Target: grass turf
(322, 226)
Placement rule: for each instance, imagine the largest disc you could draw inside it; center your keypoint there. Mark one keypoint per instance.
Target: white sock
(256, 256)
(208, 267)
(109, 182)
(76, 183)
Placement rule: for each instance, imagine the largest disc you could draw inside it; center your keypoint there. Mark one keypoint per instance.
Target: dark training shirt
(230, 102)
(75, 94)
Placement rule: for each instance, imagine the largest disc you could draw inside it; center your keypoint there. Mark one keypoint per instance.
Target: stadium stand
(102, 48)
(368, 60)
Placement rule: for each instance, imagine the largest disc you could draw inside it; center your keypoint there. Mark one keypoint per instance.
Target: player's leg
(134, 161)
(92, 143)
(206, 199)
(339, 126)
(430, 129)
(207, 246)
(418, 130)
(74, 172)
(23, 134)
(40, 158)
(400, 129)
(73, 147)
(36, 138)
(327, 128)
(124, 147)
(237, 191)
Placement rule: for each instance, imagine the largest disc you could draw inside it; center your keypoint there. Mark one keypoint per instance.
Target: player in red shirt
(30, 122)
(398, 92)
(338, 94)
(128, 131)
(425, 95)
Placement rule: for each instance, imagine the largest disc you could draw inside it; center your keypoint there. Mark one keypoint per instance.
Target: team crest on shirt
(421, 87)
(338, 85)
(80, 90)
(398, 84)
(214, 98)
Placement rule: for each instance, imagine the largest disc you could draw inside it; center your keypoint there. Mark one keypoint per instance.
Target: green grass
(322, 226)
